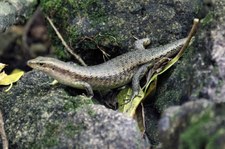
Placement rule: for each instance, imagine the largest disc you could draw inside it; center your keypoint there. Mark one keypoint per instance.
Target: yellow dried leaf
(2, 75)
(2, 66)
(9, 88)
(13, 77)
(131, 106)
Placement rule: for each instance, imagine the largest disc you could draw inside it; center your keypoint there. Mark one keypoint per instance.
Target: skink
(111, 74)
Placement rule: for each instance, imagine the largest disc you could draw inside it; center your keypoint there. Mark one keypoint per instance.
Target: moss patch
(208, 19)
(79, 101)
(196, 136)
(76, 20)
(50, 138)
(71, 130)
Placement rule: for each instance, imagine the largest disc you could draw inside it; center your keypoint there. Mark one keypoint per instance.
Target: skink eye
(41, 64)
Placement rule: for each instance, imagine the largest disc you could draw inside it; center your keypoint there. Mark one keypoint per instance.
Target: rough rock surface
(200, 122)
(95, 25)
(195, 124)
(198, 76)
(38, 115)
(112, 25)
(12, 11)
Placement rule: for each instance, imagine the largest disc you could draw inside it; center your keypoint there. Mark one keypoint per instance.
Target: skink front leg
(140, 44)
(85, 86)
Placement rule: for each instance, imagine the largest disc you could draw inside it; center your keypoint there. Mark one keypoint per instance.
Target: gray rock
(113, 24)
(12, 11)
(106, 128)
(199, 74)
(38, 115)
(175, 119)
(200, 123)
(7, 15)
(195, 124)
(209, 74)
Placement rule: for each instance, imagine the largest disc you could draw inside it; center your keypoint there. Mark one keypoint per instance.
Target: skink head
(42, 63)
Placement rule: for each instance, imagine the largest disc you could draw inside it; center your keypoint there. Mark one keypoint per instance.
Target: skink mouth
(32, 63)
(29, 63)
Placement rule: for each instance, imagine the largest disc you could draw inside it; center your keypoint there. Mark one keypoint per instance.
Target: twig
(5, 144)
(65, 44)
(190, 35)
(105, 55)
(174, 60)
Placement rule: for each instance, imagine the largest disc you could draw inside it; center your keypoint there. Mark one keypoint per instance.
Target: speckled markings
(111, 74)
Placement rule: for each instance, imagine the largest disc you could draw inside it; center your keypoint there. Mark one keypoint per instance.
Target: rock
(199, 123)
(38, 115)
(175, 119)
(94, 25)
(195, 124)
(12, 11)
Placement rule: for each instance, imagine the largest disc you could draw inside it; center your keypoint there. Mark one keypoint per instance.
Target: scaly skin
(111, 74)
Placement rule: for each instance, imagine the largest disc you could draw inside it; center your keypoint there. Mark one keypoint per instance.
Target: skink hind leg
(137, 77)
(157, 67)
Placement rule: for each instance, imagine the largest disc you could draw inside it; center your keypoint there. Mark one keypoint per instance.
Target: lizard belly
(114, 81)
(102, 82)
